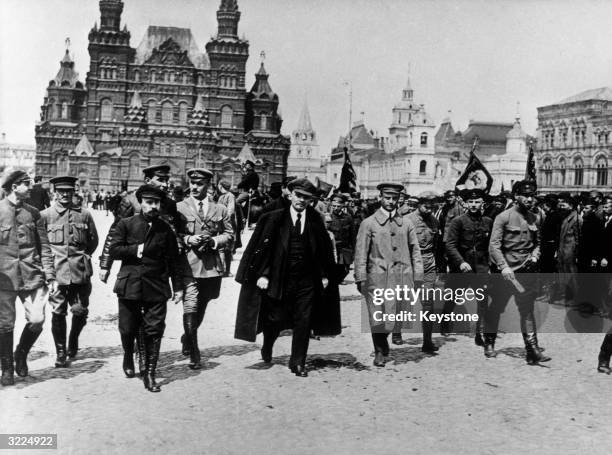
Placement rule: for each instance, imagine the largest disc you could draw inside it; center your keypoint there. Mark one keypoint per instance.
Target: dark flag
(348, 178)
(530, 170)
(475, 174)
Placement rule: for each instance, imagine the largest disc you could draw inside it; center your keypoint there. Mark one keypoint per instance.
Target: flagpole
(350, 134)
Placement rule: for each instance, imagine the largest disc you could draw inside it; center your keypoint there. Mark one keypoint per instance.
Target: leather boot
(604, 355)
(192, 333)
(6, 359)
(140, 340)
(127, 341)
(478, 338)
(58, 329)
(489, 345)
(428, 345)
(533, 355)
(186, 347)
(269, 337)
(396, 338)
(152, 345)
(78, 322)
(26, 341)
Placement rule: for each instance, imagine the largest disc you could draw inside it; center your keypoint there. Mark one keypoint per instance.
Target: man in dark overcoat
(284, 270)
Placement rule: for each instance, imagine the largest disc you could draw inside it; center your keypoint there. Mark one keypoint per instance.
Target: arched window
(136, 76)
(264, 122)
(423, 138)
(153, 75)
(547, 165)
(152, 111)
(106, 112)
(183, 108)
(167, 112)
(602, 171)
(135, 165)
(62, 164)
(114, 73)
(561, 171)
(578, 171)
(423, 165)
(51, 108)
(226, 116)
(184, 78)
(64, 110)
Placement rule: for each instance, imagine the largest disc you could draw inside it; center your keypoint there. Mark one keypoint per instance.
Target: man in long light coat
(387, 254)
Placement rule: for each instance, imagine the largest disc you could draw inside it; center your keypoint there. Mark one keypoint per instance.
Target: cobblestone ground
(454, 402)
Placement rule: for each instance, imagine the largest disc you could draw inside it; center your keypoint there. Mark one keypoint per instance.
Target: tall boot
(201, 312)
(78, 322)
(533, 355)
(26, 341)
(58, 329)
(186, 346)
(269, 337)
(127, 341)
(604, 355)
(6, 359)
(428, 345)
(152, 345)
(489, 345)
(140, 340)
(190, 320)
(479, 337)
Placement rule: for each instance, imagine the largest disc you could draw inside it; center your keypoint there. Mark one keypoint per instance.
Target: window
(547, 173)
(562, 172)
(106, 136)
(423, 166)
(135, 165)
(308, 151)
(65, 110)
(183, 108)
(136, 76)
(423, 138)
(264, 121)
(578, 171)
(153, 76)
(167, 112)
(106, 114)
(226, 117)
(151, 111)
(602, 172)
(105, 175)
(114, 73)
(62, 165)
(552, 139)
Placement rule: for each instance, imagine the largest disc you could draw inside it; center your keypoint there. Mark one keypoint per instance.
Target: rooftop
(157, 35)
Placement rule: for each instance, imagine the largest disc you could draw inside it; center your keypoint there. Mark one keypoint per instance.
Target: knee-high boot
(152, 345)
(140, 341)
(190, 321)
(58, 329)
(78, 322)
(269, 337)
(26, 341)
(428, 345)
(127, 341)
(6, 359)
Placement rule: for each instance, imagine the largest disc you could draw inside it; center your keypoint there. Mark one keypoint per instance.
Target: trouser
(473, 281)
(501, 292)
(381, 343)
(134, 313)
(198, 292)
(74, 295)
(33, 302)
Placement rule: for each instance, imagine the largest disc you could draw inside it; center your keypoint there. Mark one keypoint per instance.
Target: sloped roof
(261, 88)
(445, 132)
(487, 131)
(157, 35)
(66, 72)
(84, 146)
(602, 93)
(246, 154)
(304, 123)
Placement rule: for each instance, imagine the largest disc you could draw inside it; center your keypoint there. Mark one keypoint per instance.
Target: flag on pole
(348, 177)
(475, 174)
(530, 170)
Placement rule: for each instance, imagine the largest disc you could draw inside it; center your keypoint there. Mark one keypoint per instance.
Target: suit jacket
(204, 263)
(267, 255)
(145, 278)
(73, 239)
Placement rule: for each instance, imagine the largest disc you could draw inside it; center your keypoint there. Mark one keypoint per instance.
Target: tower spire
(110, 14)
(228, 17)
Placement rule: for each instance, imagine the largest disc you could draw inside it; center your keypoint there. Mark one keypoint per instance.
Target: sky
(474, 58)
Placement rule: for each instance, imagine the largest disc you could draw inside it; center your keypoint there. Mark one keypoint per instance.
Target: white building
(305, 158)
(17, 156)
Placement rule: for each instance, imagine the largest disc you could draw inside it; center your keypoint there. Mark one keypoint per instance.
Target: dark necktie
(298, 224)
(201, 209)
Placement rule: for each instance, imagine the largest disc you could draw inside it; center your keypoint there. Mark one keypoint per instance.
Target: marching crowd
(180, 246)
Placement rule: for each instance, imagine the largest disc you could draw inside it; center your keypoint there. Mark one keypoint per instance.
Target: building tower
(304, 157)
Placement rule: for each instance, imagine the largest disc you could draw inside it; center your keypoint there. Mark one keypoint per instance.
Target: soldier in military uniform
(450, 210)
(514, 251)
(26, 271)
(387, 255)
(467, 250)
(342, 226)
(148, 251)
(426, 227)
(206, 230)
(73, 238)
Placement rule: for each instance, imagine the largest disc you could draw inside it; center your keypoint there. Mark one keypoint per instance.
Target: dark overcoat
(266, 255)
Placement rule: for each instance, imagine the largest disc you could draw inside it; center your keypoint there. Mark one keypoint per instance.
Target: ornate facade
(162, 102)
(575, 142)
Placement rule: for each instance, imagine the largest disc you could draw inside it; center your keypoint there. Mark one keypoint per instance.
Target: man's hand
(140, 250)
(194, 240)
(104, 275)
(324, 282)
(465, 267)
(508, 274)
(52, 285)
(178, 296)
(262, 283)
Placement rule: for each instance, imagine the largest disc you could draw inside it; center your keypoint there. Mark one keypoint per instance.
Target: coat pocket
(5, 234)
(55, 232)
(78, 233)
(120, 285)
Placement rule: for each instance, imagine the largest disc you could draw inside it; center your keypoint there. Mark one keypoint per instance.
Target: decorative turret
(110, 13)
(109, 32)
(136, 113)
(228, 17)
(262, 105)
(199, 116)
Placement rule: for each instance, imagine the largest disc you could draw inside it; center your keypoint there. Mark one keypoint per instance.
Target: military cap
(339, 196)
(588, 200)
(15, 178)
(302, 186)
(596, 194)
(63, 182)
(567, 197)
(276, 185)
(150, 191)
(524, 187)
(449, 193)
(199, 173)
(474, 193)
(249, 162)
(159, 170)
(287, 179)
(426, 198)
(390, 187)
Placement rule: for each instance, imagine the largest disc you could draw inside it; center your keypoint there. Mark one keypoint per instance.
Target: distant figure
(39, 197)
